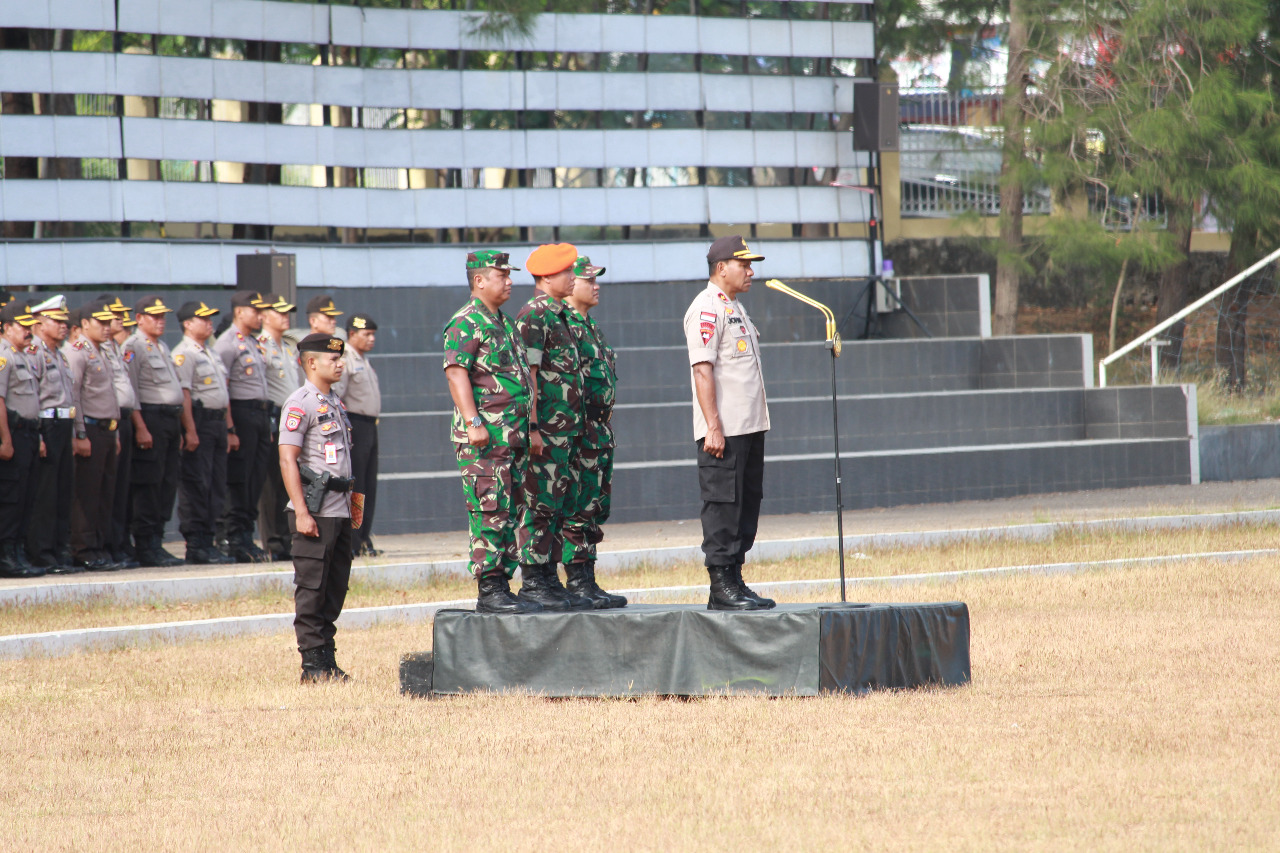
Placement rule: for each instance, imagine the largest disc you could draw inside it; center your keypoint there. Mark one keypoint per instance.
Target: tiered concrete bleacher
(956, 417)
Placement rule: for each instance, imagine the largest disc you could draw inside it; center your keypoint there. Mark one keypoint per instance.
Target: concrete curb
(58, 643)
(411, 574)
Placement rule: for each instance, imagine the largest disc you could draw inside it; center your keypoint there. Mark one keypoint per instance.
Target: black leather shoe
(60, 569)
(582, 581)
(97, 564)
(153, 554)
(278, 556)
(536, 586)
(122, 559)
(747, 592)
(725, 594)
(495, 597)
(13, 562)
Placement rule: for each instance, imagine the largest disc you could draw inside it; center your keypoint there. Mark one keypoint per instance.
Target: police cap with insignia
(195, 309)
(98, 309)
(17, 312)
(128, 320)
(583, 268)
(152, 305)
(486, 258)
(55, 308)
(113, 302)
(278, 303)
(248, 299)
(361, 321)
(317, 342)
(732, 248)
(552, 258)
(323, 305)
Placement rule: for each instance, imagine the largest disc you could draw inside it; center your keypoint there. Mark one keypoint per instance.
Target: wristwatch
(476, 421)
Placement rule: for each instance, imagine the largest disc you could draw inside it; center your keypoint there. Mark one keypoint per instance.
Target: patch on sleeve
(128, 356)
(708, 331)
(293, 418)
(178, 359)
(4, 362)
(707, 316)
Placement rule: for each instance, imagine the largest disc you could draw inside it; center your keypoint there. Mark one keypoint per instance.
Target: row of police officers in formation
(102, 427)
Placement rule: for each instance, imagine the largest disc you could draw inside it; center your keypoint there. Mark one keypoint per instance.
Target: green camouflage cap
(582, 268)
(489, 258)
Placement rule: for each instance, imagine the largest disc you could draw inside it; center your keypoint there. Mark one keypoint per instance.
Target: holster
(314, 485)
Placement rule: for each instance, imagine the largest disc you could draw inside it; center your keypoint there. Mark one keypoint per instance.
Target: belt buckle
(111, 425)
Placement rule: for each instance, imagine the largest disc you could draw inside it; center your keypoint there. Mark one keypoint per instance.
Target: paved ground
(1066, 506)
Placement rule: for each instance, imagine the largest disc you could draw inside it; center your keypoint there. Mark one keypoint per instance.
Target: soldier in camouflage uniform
(588, 504)
(489, 382)
(555, 366)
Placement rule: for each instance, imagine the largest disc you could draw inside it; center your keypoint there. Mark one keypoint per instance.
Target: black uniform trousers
(321, 571)
(17, 475)
(272, 523)
(732, 488)
(121, 507)
(202, 490)
(364, 468)
(93, 494)
(50, 530)
(247, 467)
(155, 472)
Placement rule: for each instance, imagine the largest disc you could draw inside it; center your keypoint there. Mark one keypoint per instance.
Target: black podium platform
(687, 650)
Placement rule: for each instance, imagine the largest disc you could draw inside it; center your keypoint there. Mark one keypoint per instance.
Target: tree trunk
(1171, 296)
(1013, 112)
(1230, 352)
(1115, 306)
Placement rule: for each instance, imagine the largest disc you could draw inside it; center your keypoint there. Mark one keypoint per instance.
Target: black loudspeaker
(273, 273)
(875, 116)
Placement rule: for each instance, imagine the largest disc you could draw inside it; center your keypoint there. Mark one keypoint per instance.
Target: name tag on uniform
(330, 453)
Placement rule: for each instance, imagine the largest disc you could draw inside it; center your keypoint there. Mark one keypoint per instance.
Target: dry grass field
(1131, 709)
(1069, 546)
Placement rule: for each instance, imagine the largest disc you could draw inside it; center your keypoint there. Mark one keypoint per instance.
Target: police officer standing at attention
(588, 504)
(157, 432)
(96, 443)
(49, 536)
(315, 463)
(485, 366)
(206, 426)
(245, 361)
(322, 319)
(555, 422)
(19, 439)
(730, 418)
(118, 536)
(360, 393)
(284, 376)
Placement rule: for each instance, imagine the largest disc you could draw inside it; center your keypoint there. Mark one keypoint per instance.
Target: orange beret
(552, 258)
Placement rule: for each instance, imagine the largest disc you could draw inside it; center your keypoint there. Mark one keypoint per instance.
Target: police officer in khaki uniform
(206, 426)
(96, 443)
(245, 361)
(49, 535)
(315, 459)
(19, 439)
(157, 432)
(322, 319)
(730, 418)
(360, 393)
(284, 376)
(118, 537)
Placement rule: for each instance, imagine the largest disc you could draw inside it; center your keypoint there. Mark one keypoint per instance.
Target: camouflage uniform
(588, 504)
(550, 478)
(487, 346)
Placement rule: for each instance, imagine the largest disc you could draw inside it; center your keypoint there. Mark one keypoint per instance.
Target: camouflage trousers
(588, 505)
(549, 481)
(493, 485)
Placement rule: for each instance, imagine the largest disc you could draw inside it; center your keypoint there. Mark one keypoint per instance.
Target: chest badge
(742, 346)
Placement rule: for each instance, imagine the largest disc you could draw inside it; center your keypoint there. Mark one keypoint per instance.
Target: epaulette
(80, 344)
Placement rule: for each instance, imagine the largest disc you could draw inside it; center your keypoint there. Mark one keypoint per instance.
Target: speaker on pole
(272, 273)
(875, 116)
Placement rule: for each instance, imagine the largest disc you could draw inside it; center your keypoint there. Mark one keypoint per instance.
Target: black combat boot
(315, 665)
(577, 601)
(747, 592)
(582, 581)
(242, 548)
(495, 596)
(330, 659)
(151, 553)
(725, 594)
(13, 562)
(200, 552)
(537, 586)
(121, 558)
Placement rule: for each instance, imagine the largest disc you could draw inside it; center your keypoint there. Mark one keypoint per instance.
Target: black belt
(264, 405)
(368, 419)
(109, 424)
(209, 414)
(599, 413)
(17, 421)
(162, 409)
(125, 412)
(339, 484)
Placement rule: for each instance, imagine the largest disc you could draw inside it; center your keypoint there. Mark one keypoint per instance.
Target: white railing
(1160, 327)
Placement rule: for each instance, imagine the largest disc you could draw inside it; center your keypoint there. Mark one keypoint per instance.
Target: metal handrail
(1160, 327)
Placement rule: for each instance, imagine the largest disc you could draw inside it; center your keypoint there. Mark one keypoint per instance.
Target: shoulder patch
(293, 420)
(128, 356)
(4, 362)
(179, 358)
